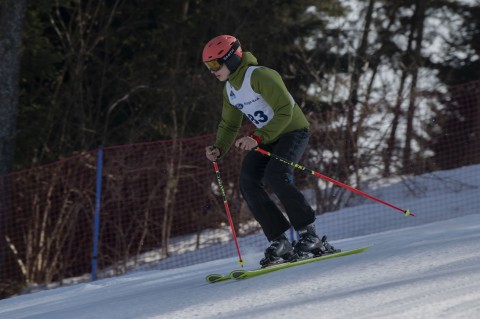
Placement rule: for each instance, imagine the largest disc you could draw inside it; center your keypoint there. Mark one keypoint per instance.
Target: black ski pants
(259, 170)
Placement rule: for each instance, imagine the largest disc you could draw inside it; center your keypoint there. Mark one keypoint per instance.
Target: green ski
(244, 274)
(213, 278)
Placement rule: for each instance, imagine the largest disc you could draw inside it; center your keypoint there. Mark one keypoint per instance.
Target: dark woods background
(117, 72)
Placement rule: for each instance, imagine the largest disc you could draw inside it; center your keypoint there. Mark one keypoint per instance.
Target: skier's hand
(212, 153)
(246, 143)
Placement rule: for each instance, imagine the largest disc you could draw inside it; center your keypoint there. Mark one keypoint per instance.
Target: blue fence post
(98, 196)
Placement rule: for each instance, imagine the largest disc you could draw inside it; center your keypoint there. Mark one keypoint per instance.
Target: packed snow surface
(430, 270)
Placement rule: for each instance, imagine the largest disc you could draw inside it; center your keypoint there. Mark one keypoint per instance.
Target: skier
(260, 94)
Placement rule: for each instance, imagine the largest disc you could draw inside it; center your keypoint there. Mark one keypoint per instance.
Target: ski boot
(309, 243)
(327, 248)
(280, 250)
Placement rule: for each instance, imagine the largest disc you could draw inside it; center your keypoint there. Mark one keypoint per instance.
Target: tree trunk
(418, 25)
(351, 133)
(397, 110)
(12, 15)
(11, 28)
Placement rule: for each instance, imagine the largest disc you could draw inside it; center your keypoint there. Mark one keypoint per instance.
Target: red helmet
(221, 47)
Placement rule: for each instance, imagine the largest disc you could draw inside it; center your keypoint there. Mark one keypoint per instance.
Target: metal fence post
(98, 196)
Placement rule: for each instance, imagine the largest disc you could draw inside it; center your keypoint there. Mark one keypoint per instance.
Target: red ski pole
(303, 168)
(227, 209)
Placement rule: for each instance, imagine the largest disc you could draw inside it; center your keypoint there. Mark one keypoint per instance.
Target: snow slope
(426, 271)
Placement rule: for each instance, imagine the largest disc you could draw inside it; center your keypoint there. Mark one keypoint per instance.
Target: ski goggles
(216, 64)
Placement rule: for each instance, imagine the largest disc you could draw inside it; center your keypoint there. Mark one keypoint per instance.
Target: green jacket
(269, 84)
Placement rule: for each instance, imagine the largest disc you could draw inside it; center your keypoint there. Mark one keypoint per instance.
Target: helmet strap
(231, 60)
(230, 52)
(233, 63)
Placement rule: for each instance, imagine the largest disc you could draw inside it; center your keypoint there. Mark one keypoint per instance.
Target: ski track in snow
(436, 277)
(429, 271)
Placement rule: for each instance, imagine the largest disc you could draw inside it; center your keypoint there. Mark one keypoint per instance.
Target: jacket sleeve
(229, 126)
(269, 84)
